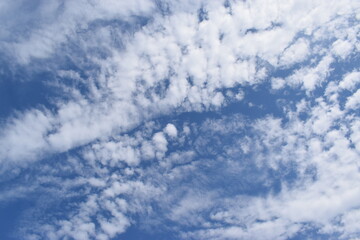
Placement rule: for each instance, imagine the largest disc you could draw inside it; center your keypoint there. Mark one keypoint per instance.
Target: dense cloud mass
(157, 119)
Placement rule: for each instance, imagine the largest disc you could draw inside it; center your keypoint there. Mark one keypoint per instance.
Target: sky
(181, 120)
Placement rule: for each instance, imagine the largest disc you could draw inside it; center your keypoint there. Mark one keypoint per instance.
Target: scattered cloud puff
(297, 52)
(171, 130)
(350, 81)
(152, 130)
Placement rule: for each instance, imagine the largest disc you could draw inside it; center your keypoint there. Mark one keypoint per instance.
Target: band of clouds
(325, 171)
(167, 50)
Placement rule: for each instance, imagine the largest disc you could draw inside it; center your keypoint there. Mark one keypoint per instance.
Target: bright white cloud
(169, 49)
(295, 53)
(170, 130)
(342, 48)
(353, 102)
(350, 81)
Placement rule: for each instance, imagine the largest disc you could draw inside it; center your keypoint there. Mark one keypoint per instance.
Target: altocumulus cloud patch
(179, 120)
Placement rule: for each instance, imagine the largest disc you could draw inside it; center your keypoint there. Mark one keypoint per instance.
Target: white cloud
(160, 144)
(277, 83)
(353, 102)
(56, 22)
(171, 130)
(297, 52)
(311, 78)
(23, 138)
(125, 93)
(350, 225)
(342, 48)
(328, 191)
(350, 81)
(355, 134)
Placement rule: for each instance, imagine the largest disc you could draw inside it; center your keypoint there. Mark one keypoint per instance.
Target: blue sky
(179, 120)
